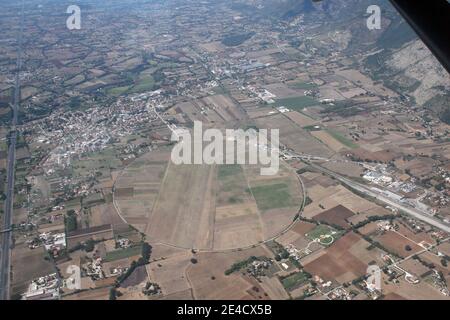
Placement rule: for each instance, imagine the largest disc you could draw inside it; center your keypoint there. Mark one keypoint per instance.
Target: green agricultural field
(232, 183)
(219, 90)
(105, 159)
(296, 103)
(295, 280)
(144, 83)
(303, 85)
(117, 91)
(319, 231)
(73, 203)
(93, 199)
(167, 65)
(123, 253)
(272, 196)
(345, 141)
(3, 145)
(236, 39)
(228, 170)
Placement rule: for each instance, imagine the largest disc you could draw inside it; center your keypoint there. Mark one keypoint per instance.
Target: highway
(414, 212)
(6, 236)
(370, 191)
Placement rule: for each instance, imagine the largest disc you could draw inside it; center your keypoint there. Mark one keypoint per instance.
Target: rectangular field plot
(296, 103)
(319, 231)
(272, 196)
(294, 280)
(184, 211)
(232, 185)
(228, 170)
(122, 253)
(293, 136)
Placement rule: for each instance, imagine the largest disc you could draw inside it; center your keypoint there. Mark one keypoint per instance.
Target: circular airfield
(206, 207)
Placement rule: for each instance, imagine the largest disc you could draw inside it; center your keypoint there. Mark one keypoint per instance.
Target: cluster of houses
(43, 288)
(52, 242)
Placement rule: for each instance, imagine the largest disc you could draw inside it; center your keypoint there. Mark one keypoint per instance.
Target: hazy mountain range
(394, 54)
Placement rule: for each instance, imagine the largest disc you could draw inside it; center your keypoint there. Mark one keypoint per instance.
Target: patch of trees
(74, 103)
(308, 201)
(426, 264)
(378, 245)
(283, 254)
(236, 39)
(158, 76)
(20, 142)
(87, 246)
(372, 219)
(342, 108)
(127, 273)
(445, 116)
(112, 294)
(146, 253)
(357, 282)
(143, 260)
(239, 265)
(302, 170)
(295, 262)
(308, 220)
(70, 221)
(6, 117)
(440, 186)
